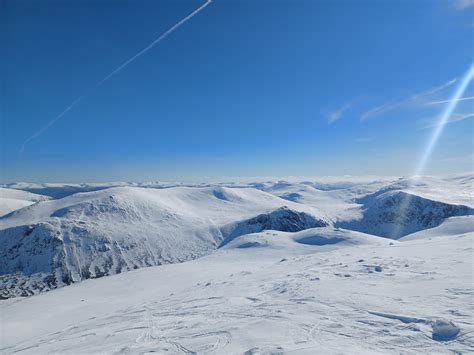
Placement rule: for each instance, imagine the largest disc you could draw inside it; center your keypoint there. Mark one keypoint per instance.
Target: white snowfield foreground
(296, 267)
(275, 296)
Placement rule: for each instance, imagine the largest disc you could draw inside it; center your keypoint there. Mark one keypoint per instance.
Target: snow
(452, 190)
(316, 237)
(451, 226)
(394, 214)
(444, 330)
(303, 300)
(58, 190)
(281, 219)
(250, 267)
(11, 200)
(94, 234)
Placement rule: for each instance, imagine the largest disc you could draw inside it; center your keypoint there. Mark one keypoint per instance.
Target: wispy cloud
(464, 4)
(413, 99)
(380, 109)
(434, 90)
(455, 117)
(448, 101)
(336, 115)
(112, 73)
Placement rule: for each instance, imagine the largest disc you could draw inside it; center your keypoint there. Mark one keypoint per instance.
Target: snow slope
(114, 229)
(327, 237)
(451, 226)
(11, 200)
(281, 219)
(89, 235)
(336, 203)
(387, 208)
(283, 267)
(394, 214)
(450, 190)
(362, 295)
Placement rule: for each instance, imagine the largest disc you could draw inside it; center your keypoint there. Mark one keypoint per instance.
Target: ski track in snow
(253, 301)
(318, 291)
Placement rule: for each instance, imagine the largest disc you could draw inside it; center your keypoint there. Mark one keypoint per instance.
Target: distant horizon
(243, 179)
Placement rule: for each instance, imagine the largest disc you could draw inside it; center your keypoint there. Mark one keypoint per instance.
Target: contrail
(434, 90)
(115, 71)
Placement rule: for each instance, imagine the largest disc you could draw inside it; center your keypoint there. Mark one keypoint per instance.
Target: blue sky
(244, 88)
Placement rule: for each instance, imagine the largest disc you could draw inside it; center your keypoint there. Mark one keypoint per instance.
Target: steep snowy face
(30, 260)
(282, 219)
(337, 201)
(90, 235)
(394, 214)
(60, 252)
(454, 190)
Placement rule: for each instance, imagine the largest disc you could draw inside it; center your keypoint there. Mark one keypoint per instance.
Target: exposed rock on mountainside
(55, 242)
(94, 234)
(394, 214)
(282, 219)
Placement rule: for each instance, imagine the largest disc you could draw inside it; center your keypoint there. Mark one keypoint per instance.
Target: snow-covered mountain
(58, 190)
(265, 293)
(112, 228)
(282, 219)
(299, 266)
(12, 200)
(106, 232)
(395, 213)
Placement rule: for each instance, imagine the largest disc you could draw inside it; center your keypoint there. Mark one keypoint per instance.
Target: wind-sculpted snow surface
(323, 237)
(363, 295)
(94, 234)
